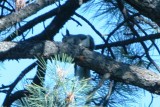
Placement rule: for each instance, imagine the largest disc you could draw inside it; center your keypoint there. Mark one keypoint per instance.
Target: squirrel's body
(81, 40)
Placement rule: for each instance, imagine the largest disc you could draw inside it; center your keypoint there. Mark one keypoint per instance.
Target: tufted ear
(67, 33)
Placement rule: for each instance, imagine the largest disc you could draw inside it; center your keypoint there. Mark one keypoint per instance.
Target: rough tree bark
(148, 8)
(29, 10)
(97, 62)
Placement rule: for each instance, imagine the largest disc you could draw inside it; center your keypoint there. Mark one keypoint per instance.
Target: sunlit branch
(31, 23)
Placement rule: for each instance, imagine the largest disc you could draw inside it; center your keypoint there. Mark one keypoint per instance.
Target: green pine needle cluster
(60, 89)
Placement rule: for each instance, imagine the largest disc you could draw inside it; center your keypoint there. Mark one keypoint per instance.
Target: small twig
(76, 21)
(151, 101)
(78, 15)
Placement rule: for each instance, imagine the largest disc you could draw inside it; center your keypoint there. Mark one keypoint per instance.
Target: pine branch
(93, 60)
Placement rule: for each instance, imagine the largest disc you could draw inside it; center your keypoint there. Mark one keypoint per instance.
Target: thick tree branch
(149, 8)
(31, 23)
(95, 61)
(29, 10)
(64, 14)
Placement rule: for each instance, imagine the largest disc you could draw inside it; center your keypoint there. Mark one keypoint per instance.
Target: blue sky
(10, 69)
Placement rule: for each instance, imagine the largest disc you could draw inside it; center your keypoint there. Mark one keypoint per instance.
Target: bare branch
(130, 41)
(12, 86)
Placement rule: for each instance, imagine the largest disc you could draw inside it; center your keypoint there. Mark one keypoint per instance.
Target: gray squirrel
(81, 40)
